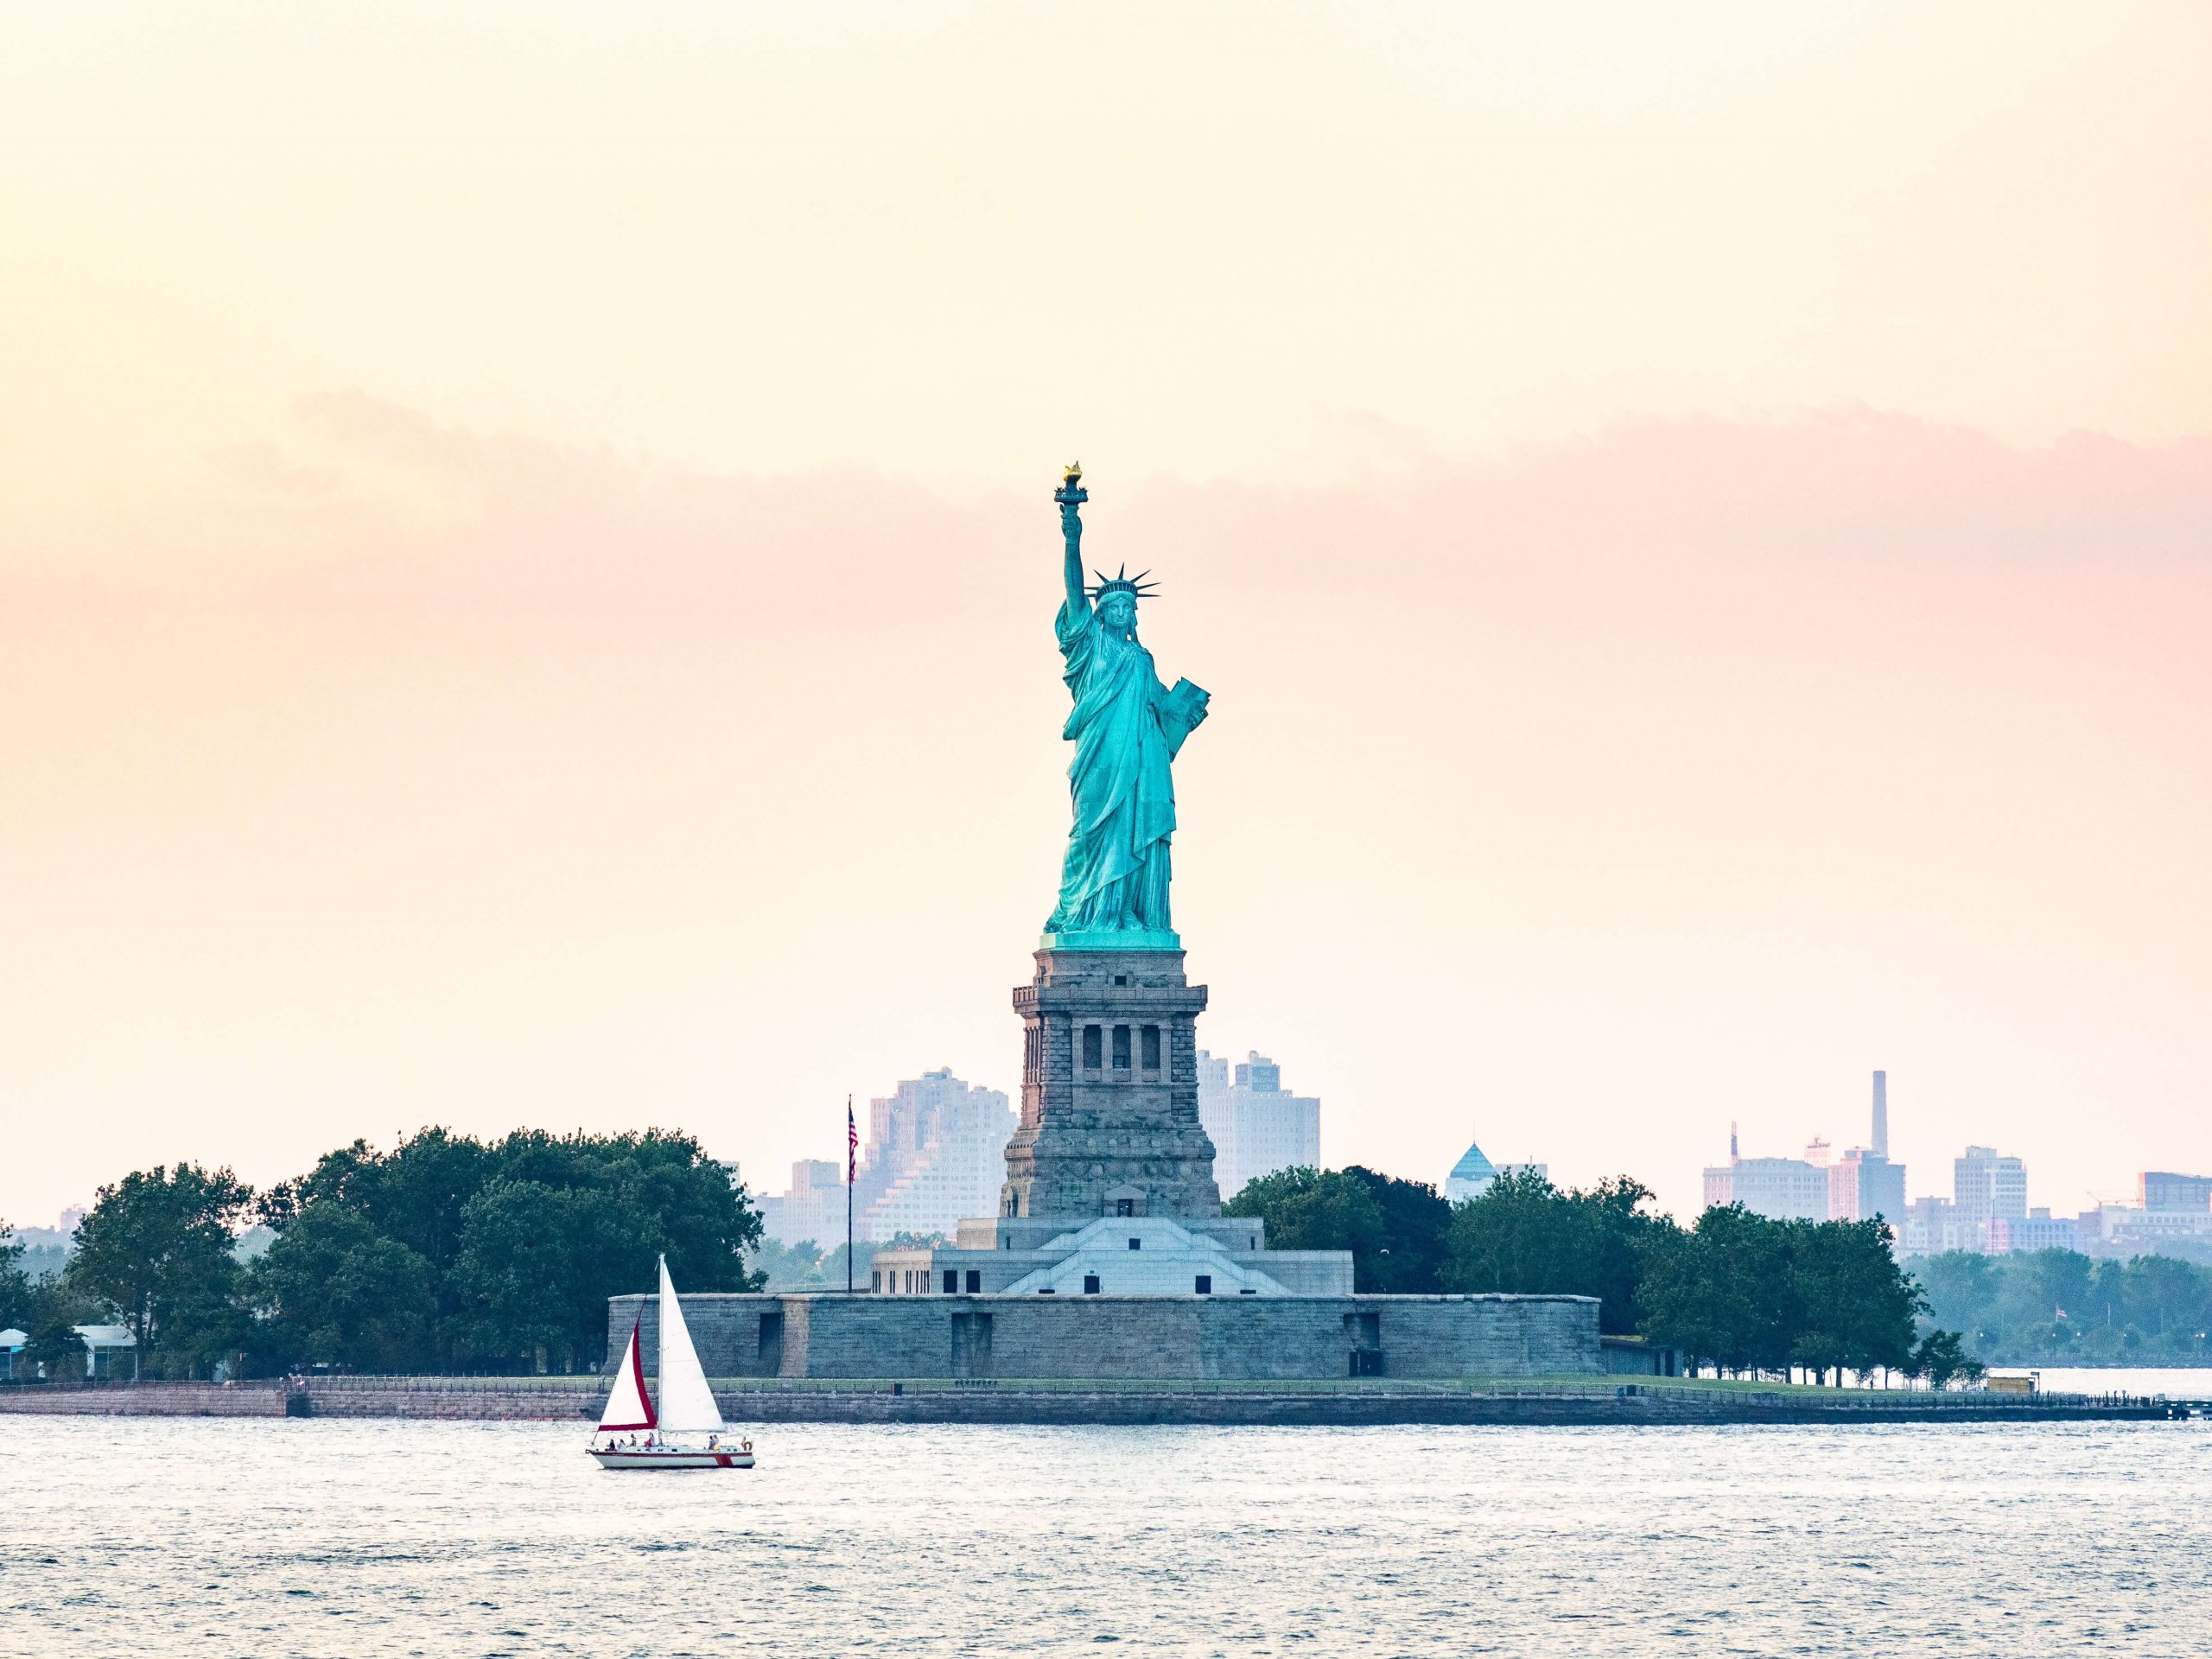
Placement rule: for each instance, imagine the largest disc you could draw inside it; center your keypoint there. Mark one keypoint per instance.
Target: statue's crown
(1122, 582)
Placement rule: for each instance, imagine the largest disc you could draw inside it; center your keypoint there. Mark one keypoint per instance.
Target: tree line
(445, 1254)
(1736, 1292)
(449, 1254)
(2055, 1307)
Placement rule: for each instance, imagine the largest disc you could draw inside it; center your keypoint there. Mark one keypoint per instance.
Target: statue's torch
(1072, 492)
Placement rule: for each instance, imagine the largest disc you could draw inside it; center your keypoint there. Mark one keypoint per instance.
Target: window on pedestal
(1093, 1048)
(1121, 1048)
(1150, 1052)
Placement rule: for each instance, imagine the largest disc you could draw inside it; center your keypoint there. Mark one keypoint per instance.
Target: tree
(54, 1349)
(1856, 1307)
(537, 1264)
(1308, 1209)
(413, 1195)
(1525, 1235)
(1940, 1358)
(334, 1292)
(1961, 1288)
(1724, 1292)
(16, 1298)
(788, 1267)
(522, 1239)
(1416, 1236)
(157, 1248)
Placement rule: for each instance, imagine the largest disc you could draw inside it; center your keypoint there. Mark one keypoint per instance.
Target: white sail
(687, 1405)
(629, 1405)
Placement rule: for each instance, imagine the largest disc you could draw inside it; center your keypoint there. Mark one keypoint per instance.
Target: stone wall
(150, 1399)
(1092, 1135)
(1077, 1338)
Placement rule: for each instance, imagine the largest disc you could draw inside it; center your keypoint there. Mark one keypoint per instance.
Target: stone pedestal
(1110, 1091)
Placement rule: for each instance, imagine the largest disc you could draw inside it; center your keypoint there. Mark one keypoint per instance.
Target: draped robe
(1126, 729)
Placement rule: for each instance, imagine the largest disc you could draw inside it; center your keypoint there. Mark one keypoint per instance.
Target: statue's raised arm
(1072, 495)
(1126, 727)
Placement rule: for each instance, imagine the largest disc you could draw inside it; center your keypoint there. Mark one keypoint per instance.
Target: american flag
(852, 1144)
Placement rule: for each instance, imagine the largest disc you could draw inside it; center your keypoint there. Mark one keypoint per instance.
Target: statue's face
(1118, 610)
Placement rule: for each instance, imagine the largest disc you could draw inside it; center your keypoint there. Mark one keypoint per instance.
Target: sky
(527, 567)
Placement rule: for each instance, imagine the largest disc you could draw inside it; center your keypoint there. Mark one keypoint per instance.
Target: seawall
(577, 1400)
(1080, 1338)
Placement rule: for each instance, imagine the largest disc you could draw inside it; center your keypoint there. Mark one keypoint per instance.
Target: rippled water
(322, 1537)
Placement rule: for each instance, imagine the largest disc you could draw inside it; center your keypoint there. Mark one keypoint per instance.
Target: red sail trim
(633, 1365)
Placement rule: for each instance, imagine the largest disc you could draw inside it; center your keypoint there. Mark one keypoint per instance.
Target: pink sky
(498, 629)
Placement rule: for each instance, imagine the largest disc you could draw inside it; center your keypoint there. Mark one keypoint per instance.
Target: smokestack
(1882, 1114)
(1732, 1141)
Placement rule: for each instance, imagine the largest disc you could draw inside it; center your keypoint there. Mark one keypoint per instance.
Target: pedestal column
(1110, 1091)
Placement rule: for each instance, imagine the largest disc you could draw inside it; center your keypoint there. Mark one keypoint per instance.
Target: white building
(813, 1210)
(1786, 1188)
(935, 1155)
(943, 1144)
(1987, 1187)
(2040, 1230)
(2123, 1231)
(1257, 1127)
(1470, 1177)
(1932, 1226)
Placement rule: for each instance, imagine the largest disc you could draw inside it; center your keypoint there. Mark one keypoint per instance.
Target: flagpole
(852, 1134)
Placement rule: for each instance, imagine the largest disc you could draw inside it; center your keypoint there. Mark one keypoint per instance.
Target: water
(275, 1537)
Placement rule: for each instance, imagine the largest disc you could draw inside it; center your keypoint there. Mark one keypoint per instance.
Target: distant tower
(1732, 1153)
(1882, 1114)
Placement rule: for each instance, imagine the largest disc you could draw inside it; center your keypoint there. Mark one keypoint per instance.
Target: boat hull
(670, 1457)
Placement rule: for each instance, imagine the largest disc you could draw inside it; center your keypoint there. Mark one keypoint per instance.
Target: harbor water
(372, 1538)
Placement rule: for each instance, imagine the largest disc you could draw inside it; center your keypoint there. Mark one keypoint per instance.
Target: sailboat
(687, 1430)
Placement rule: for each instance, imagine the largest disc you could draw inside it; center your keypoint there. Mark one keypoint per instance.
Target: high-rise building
(1932, 1226)
(1787, 1189)
(2038, 1230)
(936, 1154)
(814, 1207)
(1257, 1127)
(1863, 1183)
(1470, 1177)
(1987, 1187)
(2157, 1189)
(2122, 1231)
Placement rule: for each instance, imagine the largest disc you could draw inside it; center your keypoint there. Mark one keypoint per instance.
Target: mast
(852, 1152)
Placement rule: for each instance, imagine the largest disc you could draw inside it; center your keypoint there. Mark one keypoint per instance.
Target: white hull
(672, 1457)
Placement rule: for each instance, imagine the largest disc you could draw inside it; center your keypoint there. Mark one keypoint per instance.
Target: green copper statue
(1126, 727)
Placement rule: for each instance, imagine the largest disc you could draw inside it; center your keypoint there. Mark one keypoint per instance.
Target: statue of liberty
(1127, 728)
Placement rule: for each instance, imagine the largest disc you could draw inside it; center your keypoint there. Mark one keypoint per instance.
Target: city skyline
(1741, 604)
